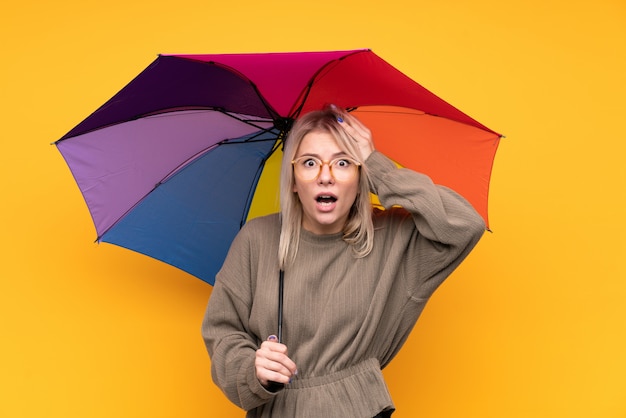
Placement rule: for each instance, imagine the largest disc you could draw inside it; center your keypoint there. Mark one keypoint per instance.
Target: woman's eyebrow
(335, 155)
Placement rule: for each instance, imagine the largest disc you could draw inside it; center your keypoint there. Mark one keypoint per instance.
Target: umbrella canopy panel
(191, 218)
(118, 166)
(170, 84)
(453, 154)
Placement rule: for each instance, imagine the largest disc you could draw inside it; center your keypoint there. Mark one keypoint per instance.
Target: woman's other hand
(272, 363)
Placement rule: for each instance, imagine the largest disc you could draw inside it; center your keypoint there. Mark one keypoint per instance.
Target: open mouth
(326, 199)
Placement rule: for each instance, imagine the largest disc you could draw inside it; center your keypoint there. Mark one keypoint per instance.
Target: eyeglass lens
(309, 168)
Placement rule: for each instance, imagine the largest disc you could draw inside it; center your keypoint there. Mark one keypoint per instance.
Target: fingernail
(332, 106)
(272, 338)
(339, 119)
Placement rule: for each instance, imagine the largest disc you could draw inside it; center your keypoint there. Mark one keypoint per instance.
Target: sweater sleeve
(445, 226)
(226, 331)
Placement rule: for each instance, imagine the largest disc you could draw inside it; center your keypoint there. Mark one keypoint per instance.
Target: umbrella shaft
(275, 386)
(281, 285)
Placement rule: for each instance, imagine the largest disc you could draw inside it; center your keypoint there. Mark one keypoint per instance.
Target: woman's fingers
(273, 364)
(360, 133)
(356, 130)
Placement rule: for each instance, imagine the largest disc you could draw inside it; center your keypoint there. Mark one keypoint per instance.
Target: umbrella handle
(275, 386)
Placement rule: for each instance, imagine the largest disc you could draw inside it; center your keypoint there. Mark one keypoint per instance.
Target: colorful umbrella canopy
(175, 163)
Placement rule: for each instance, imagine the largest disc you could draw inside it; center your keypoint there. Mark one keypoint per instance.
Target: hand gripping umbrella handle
(275, 386)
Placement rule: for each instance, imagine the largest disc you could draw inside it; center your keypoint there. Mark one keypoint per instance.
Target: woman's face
(326, 201)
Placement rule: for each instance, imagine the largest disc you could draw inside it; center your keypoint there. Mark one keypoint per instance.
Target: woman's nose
(326, 175)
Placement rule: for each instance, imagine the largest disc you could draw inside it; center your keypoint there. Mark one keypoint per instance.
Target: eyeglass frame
(321, 165)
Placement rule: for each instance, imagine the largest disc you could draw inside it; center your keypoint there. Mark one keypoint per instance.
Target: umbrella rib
(305, 95)
(411, 111)
(241, 75)
(227, 141)
(252, 122)
(278, 139)
(279, 142)
(163, 112)
(307, 90)
(160, 182)
(186, 162)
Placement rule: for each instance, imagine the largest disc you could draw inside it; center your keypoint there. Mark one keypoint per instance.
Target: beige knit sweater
(345, 318)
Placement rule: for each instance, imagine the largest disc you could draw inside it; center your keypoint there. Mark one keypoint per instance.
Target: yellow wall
(532, 325)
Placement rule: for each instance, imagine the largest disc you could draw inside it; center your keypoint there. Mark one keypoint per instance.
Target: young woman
(355, 278)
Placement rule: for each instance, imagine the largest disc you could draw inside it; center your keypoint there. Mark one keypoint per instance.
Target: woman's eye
(310, 163)
(342, 163)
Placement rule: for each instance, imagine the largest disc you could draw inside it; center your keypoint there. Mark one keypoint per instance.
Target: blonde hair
(358, 231)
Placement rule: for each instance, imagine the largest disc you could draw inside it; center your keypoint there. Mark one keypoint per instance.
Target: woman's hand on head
(359, 132)
(272, 363)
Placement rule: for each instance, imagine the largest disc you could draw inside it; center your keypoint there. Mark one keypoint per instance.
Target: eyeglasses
(309, 168)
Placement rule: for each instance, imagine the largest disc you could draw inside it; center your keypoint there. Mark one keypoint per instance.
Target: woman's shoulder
(257, 233)
(263, 226)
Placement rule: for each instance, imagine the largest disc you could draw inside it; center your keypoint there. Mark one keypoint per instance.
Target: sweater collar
(326, 239)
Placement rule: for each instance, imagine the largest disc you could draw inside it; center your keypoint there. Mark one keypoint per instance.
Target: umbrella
(178, 160)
